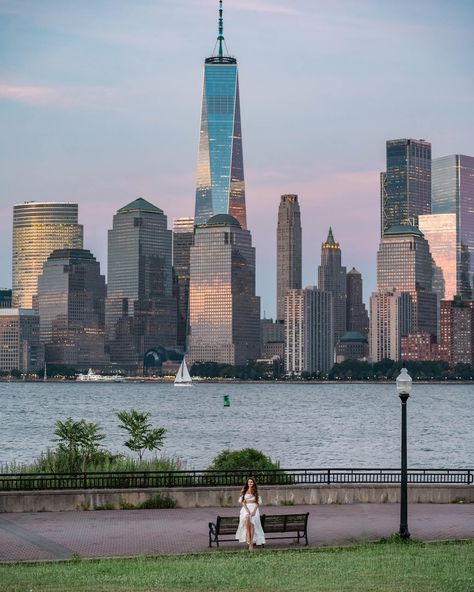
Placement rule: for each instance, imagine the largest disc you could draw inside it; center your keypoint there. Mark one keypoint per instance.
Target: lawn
(389, 567)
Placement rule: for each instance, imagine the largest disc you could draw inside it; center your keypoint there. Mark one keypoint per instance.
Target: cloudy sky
(100, 104)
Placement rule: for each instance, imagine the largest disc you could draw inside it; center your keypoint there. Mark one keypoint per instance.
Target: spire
(220, 37)
(330, 238)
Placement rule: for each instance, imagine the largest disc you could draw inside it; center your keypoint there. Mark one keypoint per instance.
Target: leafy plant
(142, 436)
(79, 441)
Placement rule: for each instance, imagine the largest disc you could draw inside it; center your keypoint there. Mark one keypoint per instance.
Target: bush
(250, 460)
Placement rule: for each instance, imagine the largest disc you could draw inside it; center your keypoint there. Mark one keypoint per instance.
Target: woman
(250, 530)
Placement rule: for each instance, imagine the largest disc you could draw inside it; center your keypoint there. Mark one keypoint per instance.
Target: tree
(142, 435)
(247, 459)
(79, 440)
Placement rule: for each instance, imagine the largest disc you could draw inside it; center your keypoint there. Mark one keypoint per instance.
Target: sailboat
(183, 378)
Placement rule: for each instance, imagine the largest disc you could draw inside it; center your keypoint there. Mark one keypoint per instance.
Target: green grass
(390, 567)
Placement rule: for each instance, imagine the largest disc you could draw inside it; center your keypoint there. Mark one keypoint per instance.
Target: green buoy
(226, 401)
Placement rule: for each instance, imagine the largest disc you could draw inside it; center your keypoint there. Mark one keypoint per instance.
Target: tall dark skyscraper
(332, 278)
(183, 233)
(140, 309)
(288, 250)
(406, 184)
(220, 170)
(357, 316)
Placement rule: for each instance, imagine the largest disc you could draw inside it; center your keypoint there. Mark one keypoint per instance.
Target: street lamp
(404, 383)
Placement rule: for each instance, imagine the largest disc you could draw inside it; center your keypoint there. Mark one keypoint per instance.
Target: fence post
(329, 476)
(84, 481)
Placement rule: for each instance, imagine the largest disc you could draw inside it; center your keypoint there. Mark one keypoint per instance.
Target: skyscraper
(390, 320)
(456, 343)
(332, 278)
(20, 347)
(71, 302)
(288, 250)
(220, 170)
(406, 184)
(453, 193)
(140, 311)
(183, 233)
(224, 312)
(357, 317)
(38, 229)
(309, 334)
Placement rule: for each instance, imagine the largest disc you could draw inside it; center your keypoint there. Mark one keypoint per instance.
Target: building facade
(220, 170)
(39, 228)
(288, 250)
(183, 235)
(456, 342)
(418, 347)
(224, 312)
(141, 311)
(357, 315)
(71, 306)
(390, 319)
(309, 332)
(20, 347)
(272, 339)
(352, 346)
(5, 298)
(332, 279)
(453, 193)
(406, 183)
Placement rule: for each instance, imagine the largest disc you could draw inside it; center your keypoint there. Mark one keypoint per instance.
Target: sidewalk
(60, 535)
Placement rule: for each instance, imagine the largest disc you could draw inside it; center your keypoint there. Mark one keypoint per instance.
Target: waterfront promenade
(109, 533)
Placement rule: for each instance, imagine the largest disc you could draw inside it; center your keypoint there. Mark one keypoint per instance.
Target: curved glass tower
(220, 170)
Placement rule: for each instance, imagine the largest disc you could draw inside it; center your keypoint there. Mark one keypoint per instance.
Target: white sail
(183, 378)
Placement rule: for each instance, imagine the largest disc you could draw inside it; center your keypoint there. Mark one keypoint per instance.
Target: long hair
(245, 488)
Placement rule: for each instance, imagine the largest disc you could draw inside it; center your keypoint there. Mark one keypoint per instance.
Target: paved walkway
(60, 535)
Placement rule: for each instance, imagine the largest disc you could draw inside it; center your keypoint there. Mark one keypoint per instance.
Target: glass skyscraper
(406, 184)
(39, 228)
(453, 193)
(220, 170)
(183, 235)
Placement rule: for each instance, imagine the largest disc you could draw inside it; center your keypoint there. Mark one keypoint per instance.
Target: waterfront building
(71, 306)
(390, 319)
(140, 312)
(352, 346)
(456, 342)
(20, 347)
(224, 312)
(357, 315)
(440, 230)
(272, 339)
(220, 170)
(453, 193)
(404, 264)
(39, 228)
(183, 234)
(5, 298)
(288, 250)
(406, 183)
(309, 332)
(418, 347)
(332, 279)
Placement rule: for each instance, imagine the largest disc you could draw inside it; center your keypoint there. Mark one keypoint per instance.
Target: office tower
(220, 170)
(183, 233)
(20, 347)
(309, 334)
(288, 250)
(332, 278)
(453, 193)
(404, 264)
(440, 230)
(272, 339)
(140, 311)
(390, 319)
(70, 303)
(406, 184)
(352, 346)
(224, 312)
(5, 298)
(357, 316)
(38, 229)
(456, 342)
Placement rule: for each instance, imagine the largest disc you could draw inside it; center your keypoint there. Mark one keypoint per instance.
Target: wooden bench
(273, 524)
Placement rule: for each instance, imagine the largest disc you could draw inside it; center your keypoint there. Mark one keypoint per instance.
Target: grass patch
(391, 567)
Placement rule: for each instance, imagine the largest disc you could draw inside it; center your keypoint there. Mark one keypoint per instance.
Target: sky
(100, 104)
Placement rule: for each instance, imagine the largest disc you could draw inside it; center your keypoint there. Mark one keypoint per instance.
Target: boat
(183, 378)
(93, 377)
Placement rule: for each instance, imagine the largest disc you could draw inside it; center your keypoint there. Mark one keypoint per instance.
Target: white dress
(258, 534)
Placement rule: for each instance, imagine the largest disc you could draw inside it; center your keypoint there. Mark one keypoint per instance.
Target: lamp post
(404, 384)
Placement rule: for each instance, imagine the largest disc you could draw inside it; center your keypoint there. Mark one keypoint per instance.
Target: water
(307, 425)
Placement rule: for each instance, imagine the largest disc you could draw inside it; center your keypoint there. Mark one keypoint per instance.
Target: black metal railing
(146, 479)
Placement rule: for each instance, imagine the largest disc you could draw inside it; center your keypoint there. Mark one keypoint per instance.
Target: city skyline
(97, 112)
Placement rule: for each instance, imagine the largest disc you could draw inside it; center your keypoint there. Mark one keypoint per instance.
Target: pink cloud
(32, 94)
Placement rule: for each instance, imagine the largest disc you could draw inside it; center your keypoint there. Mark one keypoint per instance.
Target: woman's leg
(248, 529)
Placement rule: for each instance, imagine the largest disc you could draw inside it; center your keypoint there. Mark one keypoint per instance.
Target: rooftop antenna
(220, 38)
